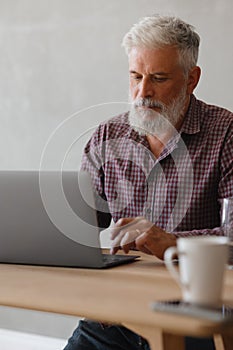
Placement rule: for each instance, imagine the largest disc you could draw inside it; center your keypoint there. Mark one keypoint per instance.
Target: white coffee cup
(202, 262)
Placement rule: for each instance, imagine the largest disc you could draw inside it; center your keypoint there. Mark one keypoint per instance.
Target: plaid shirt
(181, 191)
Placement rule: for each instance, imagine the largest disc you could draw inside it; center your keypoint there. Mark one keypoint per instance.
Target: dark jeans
(94, 336)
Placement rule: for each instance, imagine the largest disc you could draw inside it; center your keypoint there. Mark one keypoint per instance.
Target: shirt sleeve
(225, 189)
(225, 185)
(92, 162)
(217, 231)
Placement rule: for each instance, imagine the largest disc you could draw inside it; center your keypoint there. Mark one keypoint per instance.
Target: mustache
(147, 102)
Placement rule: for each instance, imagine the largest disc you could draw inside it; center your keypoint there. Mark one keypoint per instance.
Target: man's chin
(148, 128)
(147, 122)
(145, 114)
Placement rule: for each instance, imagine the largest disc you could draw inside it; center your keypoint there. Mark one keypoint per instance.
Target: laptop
(49, 218)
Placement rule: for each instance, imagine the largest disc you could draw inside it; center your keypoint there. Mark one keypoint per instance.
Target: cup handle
(169, 255)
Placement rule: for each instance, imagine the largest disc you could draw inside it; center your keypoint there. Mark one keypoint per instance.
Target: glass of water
(227, 225)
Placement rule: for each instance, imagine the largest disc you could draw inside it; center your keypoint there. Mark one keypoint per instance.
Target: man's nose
(146, 88)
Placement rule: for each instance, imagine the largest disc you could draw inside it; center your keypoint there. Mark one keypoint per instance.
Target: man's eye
(159, 79)
(136, 77)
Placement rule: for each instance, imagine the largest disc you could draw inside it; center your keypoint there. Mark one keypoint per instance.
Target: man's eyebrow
(161, 73)
(152, 74)
(133, 72)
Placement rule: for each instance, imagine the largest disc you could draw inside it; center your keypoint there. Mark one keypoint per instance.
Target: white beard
(146, 121)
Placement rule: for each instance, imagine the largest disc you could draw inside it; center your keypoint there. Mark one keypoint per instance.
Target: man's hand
(139, 233)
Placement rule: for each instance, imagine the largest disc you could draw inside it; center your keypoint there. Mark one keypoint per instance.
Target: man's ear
(193, 79)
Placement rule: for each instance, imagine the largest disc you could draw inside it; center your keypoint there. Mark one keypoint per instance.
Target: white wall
(61, 56)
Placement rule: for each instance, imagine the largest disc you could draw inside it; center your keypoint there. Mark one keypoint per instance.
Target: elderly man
(161, 169)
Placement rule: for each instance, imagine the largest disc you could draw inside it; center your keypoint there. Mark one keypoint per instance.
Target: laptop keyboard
(108, 258)
(114, 260)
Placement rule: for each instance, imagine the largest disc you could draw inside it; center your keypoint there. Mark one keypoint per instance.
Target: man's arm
(139, 233)
(92, 163)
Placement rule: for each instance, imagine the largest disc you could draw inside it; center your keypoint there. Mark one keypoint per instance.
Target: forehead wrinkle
(142, 60)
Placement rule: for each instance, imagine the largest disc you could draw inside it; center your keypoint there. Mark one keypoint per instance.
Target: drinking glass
(227, 225)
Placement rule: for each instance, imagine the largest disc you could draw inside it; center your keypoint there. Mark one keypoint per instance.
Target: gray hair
(159, 31)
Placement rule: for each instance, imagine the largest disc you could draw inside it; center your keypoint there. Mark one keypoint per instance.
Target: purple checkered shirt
(181, 191)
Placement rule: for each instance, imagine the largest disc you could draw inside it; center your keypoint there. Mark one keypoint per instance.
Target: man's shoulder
(115, 126)
(215, 121)
(206, 117)
(212, 117)
(214, 111)
(118, 119)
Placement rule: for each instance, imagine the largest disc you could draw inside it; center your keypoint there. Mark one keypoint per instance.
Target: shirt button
(148, 210)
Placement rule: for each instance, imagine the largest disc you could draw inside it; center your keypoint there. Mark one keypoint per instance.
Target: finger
(116, 242)
(125, 224)
(117, 227)
(123, 221)
(128, 240)
(124, 240)
(138, 223)
(114, 250)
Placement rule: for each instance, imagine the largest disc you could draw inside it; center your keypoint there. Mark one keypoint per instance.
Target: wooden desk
(118, 295)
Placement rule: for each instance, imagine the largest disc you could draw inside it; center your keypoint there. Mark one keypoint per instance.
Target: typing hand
(126, 231)
(139, 233)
